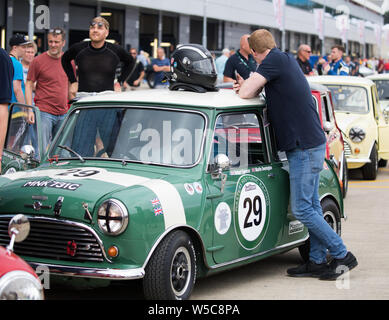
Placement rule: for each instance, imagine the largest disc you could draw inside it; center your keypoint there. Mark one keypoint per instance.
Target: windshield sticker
(251, 211)
(52, 184)
(268, 168)
(222, 218)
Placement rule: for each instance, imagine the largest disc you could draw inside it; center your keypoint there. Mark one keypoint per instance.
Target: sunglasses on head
(56, 31)
(98, 24)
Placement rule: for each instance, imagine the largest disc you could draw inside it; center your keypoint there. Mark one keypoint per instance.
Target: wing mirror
(327, 126)
(27, 152)
(18, 230)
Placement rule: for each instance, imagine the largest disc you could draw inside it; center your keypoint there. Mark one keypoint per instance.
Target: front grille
(347, 149)
(53, 239)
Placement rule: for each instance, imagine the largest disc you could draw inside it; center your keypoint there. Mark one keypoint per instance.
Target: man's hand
(117, 87)
(30, 117)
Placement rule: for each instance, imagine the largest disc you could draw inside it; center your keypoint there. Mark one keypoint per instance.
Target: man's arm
(128, 64)
(251, 87)
(17, 85)
(29, 89)
(66, 61)
(3, 127)
(228, 79)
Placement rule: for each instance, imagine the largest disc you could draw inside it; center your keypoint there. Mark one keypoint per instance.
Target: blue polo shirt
(291, 108)
(18, 75)
(6, 76)
(159, 76)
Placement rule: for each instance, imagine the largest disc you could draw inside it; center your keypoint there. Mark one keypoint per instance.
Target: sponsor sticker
(198, 187)
(52, 184)
(295, 227)
(189, 188)
(222, 218)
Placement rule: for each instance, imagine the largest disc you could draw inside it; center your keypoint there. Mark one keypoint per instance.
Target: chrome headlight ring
(20, 285)
(357, 134)
(112, 217)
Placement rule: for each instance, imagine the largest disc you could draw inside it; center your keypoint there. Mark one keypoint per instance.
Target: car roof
(223, 98)
(318, 87)
(340, 80)
(379, 76)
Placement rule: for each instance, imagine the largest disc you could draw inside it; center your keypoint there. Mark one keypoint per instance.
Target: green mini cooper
(160, 185)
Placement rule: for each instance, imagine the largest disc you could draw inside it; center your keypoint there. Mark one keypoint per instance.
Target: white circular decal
(251, 211)
(222, 218)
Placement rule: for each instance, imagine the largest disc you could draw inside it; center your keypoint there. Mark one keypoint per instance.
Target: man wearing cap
(17, 45)
(51, 92)
(6, 76)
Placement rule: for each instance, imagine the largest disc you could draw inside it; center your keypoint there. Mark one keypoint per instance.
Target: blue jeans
(304, 171)
(50, 124)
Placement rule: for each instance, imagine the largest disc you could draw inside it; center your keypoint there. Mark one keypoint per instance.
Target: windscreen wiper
(72, 151)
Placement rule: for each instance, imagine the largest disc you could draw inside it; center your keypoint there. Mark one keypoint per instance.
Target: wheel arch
(332, 198)
(195, 237)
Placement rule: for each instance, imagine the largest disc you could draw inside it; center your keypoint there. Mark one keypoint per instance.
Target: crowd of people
(53, 78)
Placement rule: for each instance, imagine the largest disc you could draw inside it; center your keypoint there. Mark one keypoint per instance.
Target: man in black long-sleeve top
(96, 61)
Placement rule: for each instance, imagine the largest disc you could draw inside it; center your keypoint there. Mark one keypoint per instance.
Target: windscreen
(156, 136)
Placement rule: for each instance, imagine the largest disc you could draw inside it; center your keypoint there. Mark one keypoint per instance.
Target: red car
(335, 145)
(18, 281)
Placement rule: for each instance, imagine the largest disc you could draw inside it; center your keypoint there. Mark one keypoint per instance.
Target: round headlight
(20, 285)
(357, 134)
(112, 217)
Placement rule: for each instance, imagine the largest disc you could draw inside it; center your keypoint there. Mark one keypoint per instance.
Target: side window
(20, 133)
(324, 109)
(328, 109)
(239, 137)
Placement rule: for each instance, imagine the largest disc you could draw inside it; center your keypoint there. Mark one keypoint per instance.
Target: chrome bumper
(356, 160)
(108, 274)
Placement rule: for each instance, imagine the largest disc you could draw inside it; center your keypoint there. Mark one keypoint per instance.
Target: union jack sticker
(158, 211)
(155, 202)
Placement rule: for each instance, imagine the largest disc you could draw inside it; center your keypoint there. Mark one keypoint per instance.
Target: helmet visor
(205, 66)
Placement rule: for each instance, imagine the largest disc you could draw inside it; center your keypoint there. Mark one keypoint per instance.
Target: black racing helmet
(193, 64)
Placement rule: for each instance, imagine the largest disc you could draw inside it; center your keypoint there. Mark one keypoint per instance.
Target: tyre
(369, 170)
(382, 163)
(171, 270)
(331, 214)
(345, 177)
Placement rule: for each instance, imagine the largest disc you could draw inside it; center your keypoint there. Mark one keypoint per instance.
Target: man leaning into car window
(298, 132)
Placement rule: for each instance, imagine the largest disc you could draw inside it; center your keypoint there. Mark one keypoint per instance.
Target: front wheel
(331, 214)
(171, 271)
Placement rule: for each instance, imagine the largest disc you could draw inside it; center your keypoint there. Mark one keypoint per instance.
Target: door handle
(271, 175)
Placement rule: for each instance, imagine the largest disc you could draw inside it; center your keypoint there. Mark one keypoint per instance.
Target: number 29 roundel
(251, 211)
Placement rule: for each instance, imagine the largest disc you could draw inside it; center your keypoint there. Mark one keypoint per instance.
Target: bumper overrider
(111, 274)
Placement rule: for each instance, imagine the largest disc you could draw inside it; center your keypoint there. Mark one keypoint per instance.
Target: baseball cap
(18, 40)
